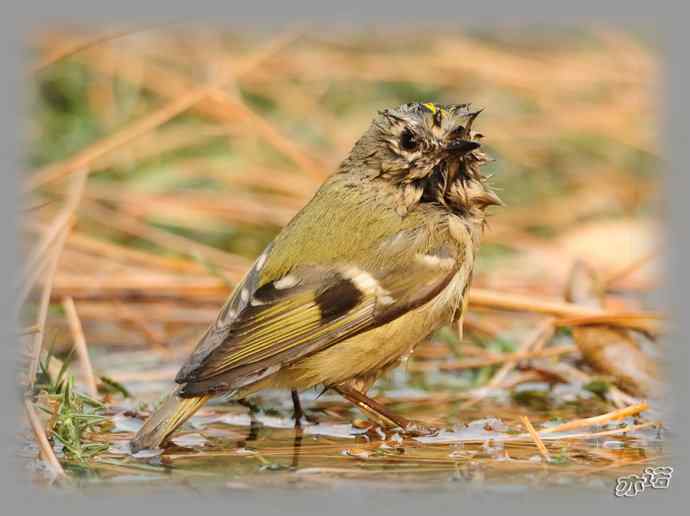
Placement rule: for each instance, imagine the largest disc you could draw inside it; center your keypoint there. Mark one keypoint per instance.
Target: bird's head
(430, 152)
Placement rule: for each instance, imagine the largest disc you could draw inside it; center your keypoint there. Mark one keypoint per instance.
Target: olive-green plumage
(379, 258)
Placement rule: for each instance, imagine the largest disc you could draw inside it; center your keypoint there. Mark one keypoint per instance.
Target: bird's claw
(410, 429)
(417, 429)
(309, 418)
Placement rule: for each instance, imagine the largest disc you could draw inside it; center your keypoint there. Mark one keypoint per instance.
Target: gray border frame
(671, 30)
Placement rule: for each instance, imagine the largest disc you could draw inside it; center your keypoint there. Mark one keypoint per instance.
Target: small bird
(379, 258)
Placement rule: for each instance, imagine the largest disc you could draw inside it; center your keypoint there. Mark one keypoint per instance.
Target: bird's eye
(458, 132)
(408, 141)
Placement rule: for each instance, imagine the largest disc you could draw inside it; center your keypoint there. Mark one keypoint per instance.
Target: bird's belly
(374, 350)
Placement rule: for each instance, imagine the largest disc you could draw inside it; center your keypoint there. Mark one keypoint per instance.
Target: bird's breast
(378, 349)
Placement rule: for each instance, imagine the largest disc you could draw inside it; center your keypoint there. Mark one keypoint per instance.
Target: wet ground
(481, 444)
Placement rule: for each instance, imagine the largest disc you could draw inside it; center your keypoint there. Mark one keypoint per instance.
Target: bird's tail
(172, 412)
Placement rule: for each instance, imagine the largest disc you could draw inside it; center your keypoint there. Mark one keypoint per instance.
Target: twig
(523, 303)
(89, 245)
(121, 253)
(571, 374)
(628, 269)
(40, 250)
(142, 323)
(604, 433)
(518, 377)
(178, 243)
(138, 285)
(537, 440)
(80, 344)
(155, 312)
(542, 333)
(510, 357)
(46, 450)
(641, 321)
(30, 280)
(597, 420)
(474, 324)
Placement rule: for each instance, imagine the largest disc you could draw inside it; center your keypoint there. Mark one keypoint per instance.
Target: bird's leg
(254, 424)
(253, 409)
(297, 406)
(381, 414)
(296, 448)
(299, 413)
(375, 410)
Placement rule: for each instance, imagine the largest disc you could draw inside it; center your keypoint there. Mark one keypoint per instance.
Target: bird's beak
(488, 198)
(461, 147)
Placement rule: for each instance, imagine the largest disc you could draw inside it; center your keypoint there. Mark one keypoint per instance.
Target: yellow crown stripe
(430, 106)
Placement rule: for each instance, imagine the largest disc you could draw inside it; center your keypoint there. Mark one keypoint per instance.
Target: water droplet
(147, 454)
(356, 452)
(190, 440)
(613, 444)
(122, 423)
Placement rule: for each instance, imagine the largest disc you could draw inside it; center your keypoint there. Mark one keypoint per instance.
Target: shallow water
(484, 445)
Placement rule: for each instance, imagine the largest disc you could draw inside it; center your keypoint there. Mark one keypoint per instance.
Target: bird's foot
(309, 418)
(386, 432)
(417, 429)
(312, 419)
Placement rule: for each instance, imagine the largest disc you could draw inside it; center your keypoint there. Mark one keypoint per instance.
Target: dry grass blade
(541, 334)
(171, 312)
(30, 330)
(46, 450)
(44, 303)
(116, 252)
(83, 158)
(49, 236)
(32, 278)
(142, 126)
(604, 433)
(218, 105)
(571, 374)
(510, 357)
(51, 269)
(598, 420)
(128, 286)
(67, 49)
(518, 302)
(80, 344)
(649, 322)
(236, 109)
(629, 269)
(537, 440)
(167, 240)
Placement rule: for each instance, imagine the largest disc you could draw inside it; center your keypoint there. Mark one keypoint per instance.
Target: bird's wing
(265, 327)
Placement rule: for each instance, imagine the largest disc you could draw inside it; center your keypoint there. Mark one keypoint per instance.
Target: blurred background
(570, 117)
(162, 160)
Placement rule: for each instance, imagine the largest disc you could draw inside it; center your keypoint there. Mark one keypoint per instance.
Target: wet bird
(379, 258)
